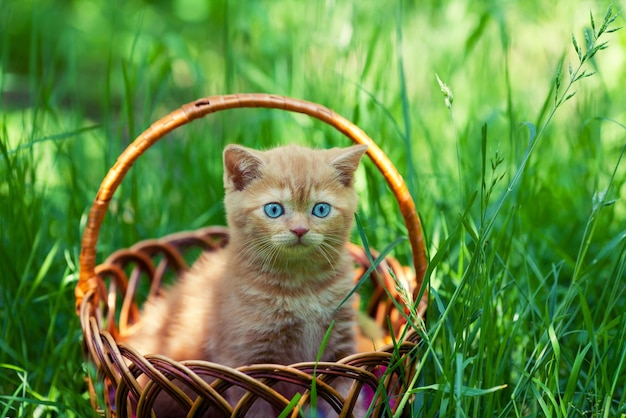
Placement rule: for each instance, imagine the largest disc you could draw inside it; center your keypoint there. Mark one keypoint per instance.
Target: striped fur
(270, 296)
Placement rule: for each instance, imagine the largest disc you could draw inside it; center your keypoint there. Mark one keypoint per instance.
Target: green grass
(520, 188)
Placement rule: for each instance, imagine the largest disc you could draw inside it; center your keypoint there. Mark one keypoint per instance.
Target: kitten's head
(290, 205)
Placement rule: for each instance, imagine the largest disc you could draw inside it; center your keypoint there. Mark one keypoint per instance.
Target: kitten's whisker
(324, 250)
(261, 251)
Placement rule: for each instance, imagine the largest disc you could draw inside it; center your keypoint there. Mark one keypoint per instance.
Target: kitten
(269, 296)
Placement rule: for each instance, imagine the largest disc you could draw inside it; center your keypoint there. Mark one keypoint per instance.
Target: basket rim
(87, 281)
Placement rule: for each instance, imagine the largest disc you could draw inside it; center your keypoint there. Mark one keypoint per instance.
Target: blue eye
(273, 210)
(321, 210)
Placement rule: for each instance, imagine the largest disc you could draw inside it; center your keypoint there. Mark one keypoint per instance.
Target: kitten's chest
(294, 325)
(301, 324)
(308, 306)
(308, 313)
(295, 304)
(263, 323)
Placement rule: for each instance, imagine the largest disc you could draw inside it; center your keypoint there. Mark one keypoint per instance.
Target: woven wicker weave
(107, 302)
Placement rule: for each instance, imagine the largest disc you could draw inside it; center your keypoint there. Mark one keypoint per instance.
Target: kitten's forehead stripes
(303, 172)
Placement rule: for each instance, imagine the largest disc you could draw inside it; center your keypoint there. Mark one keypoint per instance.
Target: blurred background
(80, 79)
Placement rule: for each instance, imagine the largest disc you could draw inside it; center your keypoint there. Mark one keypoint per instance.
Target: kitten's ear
(346, 162)
(241, 166)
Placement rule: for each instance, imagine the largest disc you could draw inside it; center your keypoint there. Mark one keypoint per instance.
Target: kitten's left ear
(347, 161)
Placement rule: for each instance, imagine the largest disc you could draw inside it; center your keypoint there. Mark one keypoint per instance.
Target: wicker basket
(107, 304)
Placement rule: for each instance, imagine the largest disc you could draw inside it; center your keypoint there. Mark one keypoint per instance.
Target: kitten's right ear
(241, 167)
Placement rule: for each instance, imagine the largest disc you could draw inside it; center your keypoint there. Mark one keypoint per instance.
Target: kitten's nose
(299, 231)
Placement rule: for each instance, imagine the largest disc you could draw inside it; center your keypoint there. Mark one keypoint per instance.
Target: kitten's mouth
(299, 247)
(296, 245)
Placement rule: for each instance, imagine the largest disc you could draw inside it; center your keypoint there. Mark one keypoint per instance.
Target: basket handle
(87, 281)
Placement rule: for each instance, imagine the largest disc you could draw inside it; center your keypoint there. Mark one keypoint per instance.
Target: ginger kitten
(269, 296)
